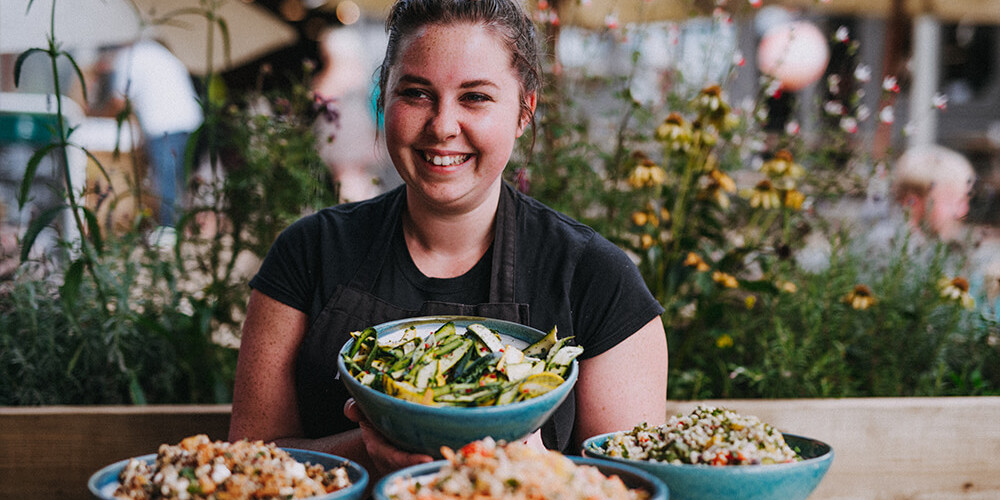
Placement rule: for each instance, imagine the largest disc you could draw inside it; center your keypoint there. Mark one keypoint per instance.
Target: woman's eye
(413, 93)
(477, 97)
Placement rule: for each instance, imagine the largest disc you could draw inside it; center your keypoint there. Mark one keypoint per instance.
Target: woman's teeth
(444, 161)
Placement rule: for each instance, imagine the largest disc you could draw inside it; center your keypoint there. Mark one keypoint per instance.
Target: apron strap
(504, 248)
(364, 279)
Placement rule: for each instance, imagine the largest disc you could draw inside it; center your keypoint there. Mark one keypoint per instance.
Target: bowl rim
(659, 486)
(589, 444)
(544, 400)
(356, 486)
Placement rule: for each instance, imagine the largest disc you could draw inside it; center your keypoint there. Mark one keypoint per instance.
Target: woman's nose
(444, 122)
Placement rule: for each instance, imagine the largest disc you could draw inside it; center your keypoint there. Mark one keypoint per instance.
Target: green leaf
(79, 74)
(20, 62)
(93, 228)
(135, 389)
(70, 289)
(29, 173)
(41, 222)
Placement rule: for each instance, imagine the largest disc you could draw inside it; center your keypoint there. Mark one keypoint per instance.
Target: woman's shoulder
(538, 216)
(354, 219)
(548, 229)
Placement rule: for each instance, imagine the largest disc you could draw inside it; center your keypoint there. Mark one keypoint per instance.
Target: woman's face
(452, 114)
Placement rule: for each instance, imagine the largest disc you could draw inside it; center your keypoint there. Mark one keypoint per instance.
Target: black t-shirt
(570, 276)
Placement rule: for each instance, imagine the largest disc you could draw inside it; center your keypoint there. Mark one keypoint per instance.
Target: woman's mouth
(445, 160)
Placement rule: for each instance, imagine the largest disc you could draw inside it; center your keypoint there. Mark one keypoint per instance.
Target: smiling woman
(453, 240)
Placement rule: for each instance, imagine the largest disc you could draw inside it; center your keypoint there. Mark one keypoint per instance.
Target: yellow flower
(724, 341)
(718, 185)
(725, 279)
(765, 196)
(782, 170)
(725, 182)
(750, 301)
(704, 134)
(647, 241)
(794, 199)
(674, 133)
(957, 290)
(640, 218)
(860, 298)
(787, 286)
(647, 175)
(712, 107)
(695, 261)
(664, 214)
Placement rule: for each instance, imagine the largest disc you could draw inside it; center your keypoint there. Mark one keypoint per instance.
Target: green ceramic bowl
(425, 429)
(104, 482)
(791, 481)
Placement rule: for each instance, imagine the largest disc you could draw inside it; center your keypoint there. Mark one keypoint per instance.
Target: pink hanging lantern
(795, 53)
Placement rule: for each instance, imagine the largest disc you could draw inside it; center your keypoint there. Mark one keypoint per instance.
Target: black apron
(353, 307)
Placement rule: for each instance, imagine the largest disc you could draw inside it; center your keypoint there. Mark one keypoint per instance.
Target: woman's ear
(530, 101)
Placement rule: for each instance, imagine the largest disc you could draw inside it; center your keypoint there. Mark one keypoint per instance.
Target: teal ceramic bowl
(425, 429)
(633, 477)
(792, 481)
(104, 482)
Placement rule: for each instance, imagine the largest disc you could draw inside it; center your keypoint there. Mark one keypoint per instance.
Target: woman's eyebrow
(478, 83)
(414, 79)
(419, 80)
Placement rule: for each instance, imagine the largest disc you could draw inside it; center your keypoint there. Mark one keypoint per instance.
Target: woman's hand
(386, 457)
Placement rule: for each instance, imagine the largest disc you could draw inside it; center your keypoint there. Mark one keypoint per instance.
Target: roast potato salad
(459, 367)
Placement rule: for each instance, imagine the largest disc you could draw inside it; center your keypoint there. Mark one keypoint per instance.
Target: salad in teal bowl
(715, 453)
(197, 468)
(487, 469)
(436, 381)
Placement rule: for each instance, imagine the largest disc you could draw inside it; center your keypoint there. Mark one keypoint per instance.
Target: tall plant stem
(88, 251)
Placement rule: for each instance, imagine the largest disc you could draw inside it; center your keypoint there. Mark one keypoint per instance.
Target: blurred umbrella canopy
(78, 23)
(186, 26)
(955, 11)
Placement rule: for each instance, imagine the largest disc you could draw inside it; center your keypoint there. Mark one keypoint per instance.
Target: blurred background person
(160, 92)
(347, 139)
(934, 185)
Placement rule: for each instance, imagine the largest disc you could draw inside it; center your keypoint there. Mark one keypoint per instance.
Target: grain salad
(198, 468)
(485, 470)
(708, 435)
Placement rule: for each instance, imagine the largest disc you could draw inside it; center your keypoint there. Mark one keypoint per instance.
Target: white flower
(940, 101)
(842, 34)
(833, 83)
(887, 115)
(792, 127)
(889, 84)
(863, 112)
(611, 21)
(835, 108)
(863, 73)
(849, 124)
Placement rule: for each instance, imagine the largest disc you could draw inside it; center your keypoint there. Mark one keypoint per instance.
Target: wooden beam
(50, 452)
(885, 448)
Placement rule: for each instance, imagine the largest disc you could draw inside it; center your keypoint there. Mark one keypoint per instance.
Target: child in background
(934, 185)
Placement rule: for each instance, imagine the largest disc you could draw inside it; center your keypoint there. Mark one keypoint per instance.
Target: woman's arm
(264, 402)
(623, 386)
(265, 406)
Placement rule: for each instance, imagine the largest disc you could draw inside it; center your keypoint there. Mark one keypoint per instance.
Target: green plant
(743, 318)
(122, 321)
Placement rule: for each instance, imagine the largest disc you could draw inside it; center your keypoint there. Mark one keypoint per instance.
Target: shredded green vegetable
(449, 367)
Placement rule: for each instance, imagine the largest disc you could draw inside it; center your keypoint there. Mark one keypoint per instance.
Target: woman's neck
(449, 245)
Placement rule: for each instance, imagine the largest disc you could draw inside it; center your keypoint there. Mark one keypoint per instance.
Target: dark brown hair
(506, 18)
